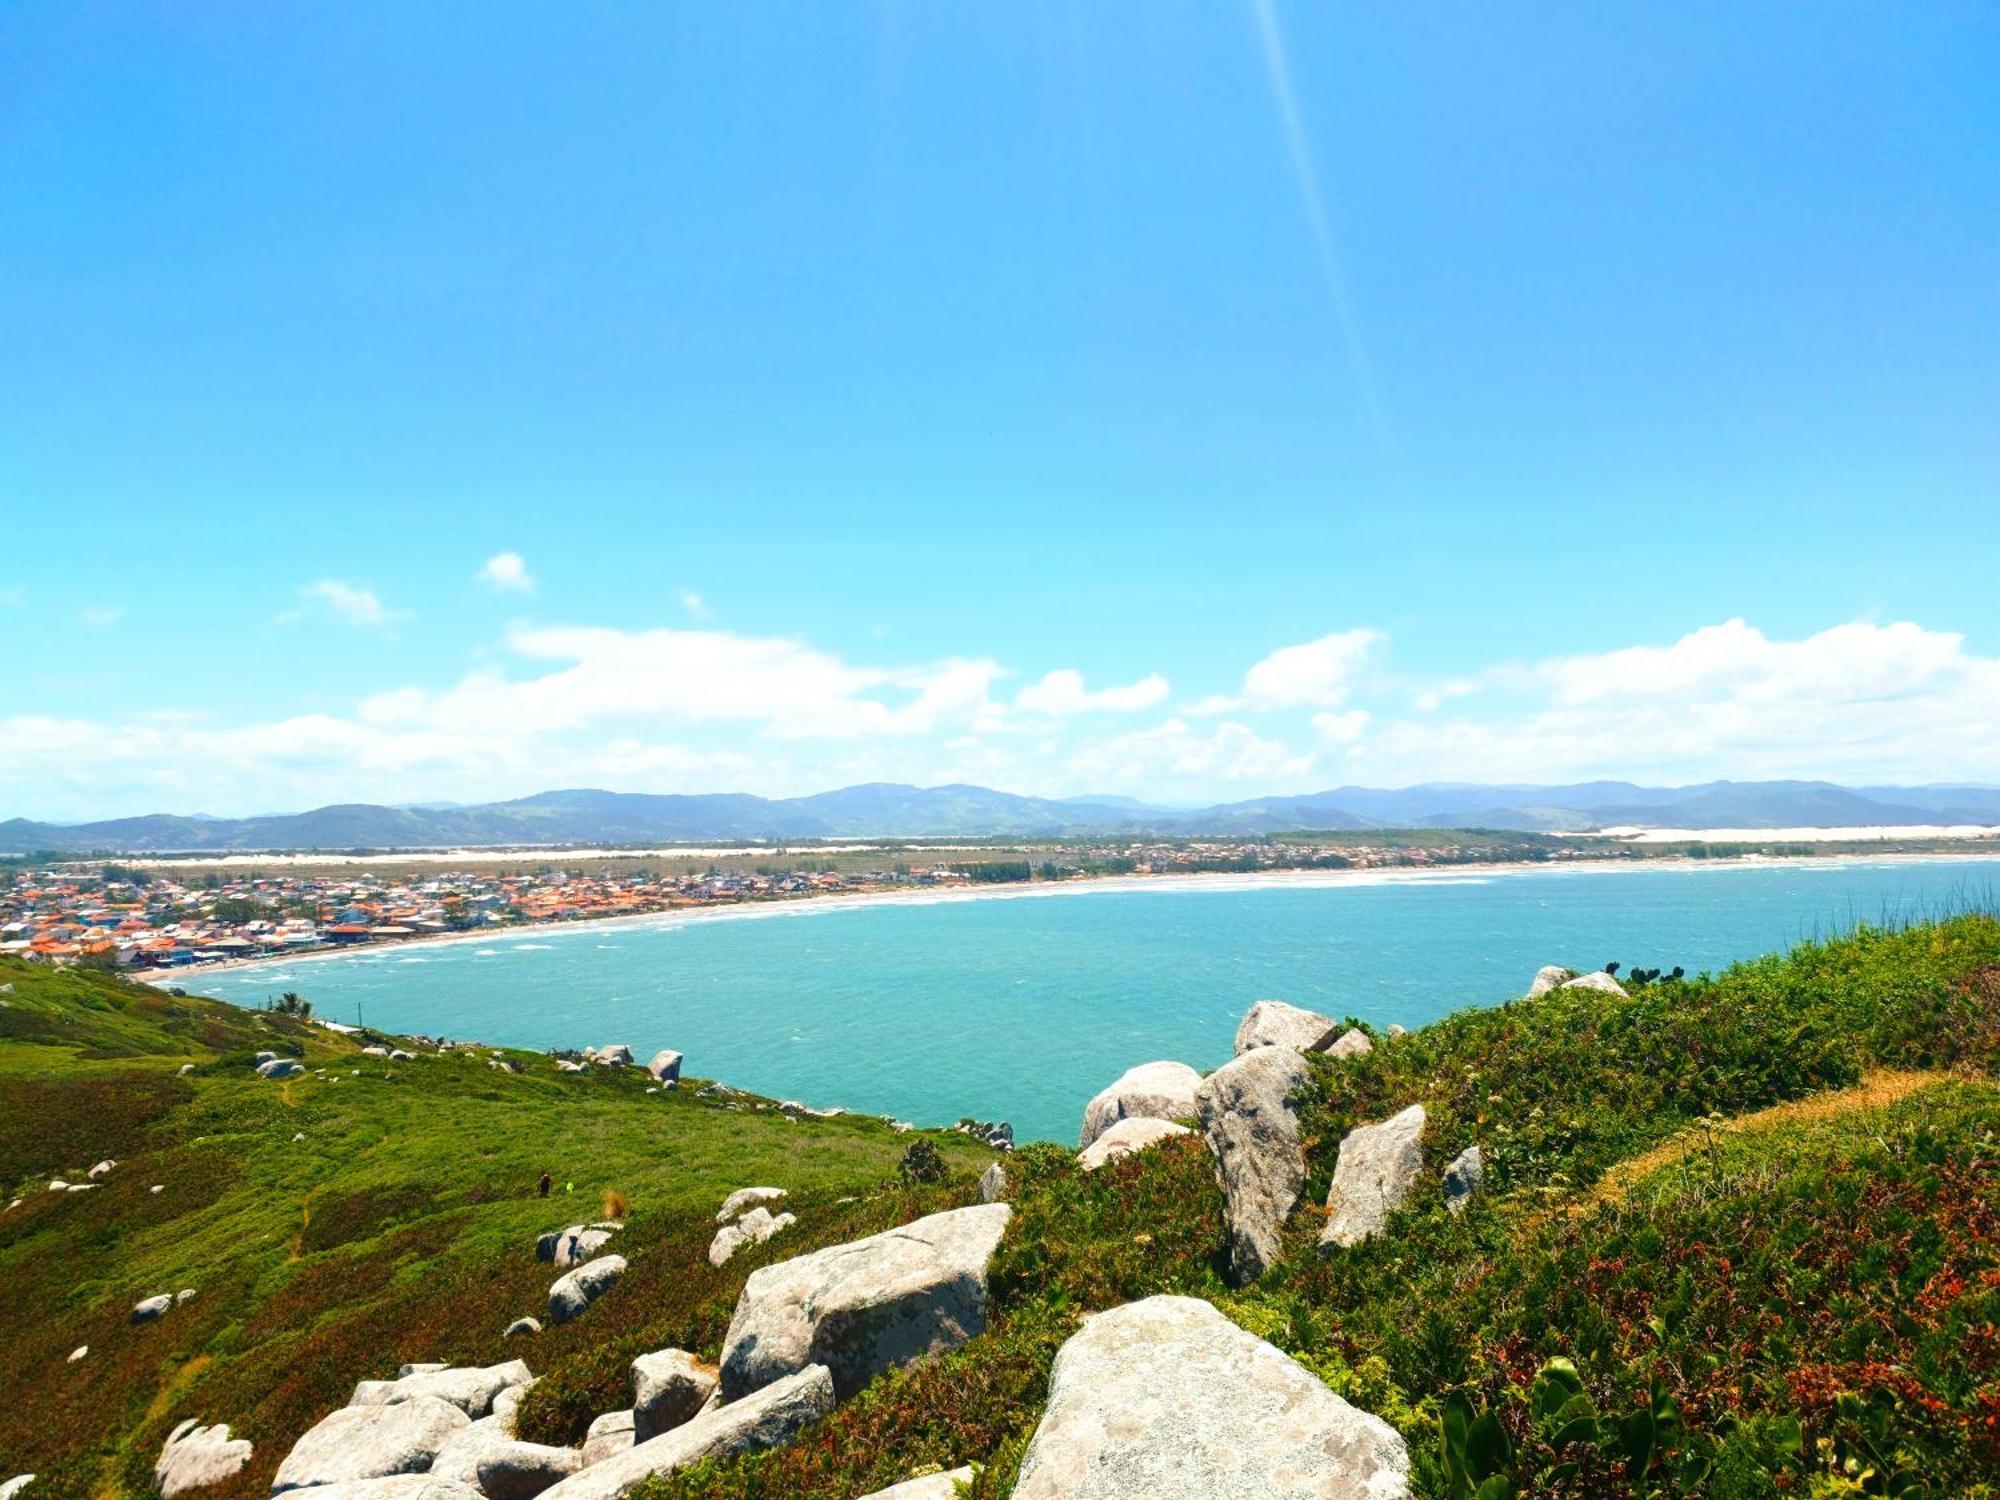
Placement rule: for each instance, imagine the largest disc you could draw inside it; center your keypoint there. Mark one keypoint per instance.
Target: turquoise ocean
(1019, 1006)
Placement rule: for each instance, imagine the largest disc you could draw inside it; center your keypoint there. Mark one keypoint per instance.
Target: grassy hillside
(1741, 1237)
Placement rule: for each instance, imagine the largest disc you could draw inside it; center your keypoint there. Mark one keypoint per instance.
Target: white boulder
(470, 1389)
(867, 1306)
(370, 1442)
(1166, 1399)
(1377, 1165)
(1155, 1090)
(744, 1199)
(1549, 977)
(1273, 1023)
(1599, 981)
(498, 1465)
(993, 1183)
(1124, 1138)
(574, 1292)
(279, 1067)
(151, 1308)
(1253, 1132)
(763, 1420)
(753, 1228)
(1352, 1042)
(668, 1388)
(15, 1485)
(609, 1435)
(929, 1487)
(665, 1065)
(195, 1457)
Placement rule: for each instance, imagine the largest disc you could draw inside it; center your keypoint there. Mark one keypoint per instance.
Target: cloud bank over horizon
(700, 708)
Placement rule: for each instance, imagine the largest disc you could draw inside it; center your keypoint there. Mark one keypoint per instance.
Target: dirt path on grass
(1875, 1091)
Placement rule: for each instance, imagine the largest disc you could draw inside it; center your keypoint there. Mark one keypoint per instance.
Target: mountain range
(886, 809)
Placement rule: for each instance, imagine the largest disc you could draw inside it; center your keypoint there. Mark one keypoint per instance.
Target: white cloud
(348, 603)
(507, 573)
(1342, 729)
(1176, 760)
(102, 616)
(1061, 693)
(1314, 674)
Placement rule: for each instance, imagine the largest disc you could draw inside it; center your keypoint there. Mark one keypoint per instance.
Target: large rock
(867, 1306)
(609, 1435)
(753, 1228)
(1273, 1023)
(196, 1457)
(1549, 977)
(668, 1388)
(398, 1487)
(471, 1389)
(744, 1199)
(151, 1307)
(1156, 1090)
(279, 1067)
(666, 1065)
(574, 1245)
(993, 1183)
(1600, 981)
(763, 1420)
(1124, 1138)
(573, 1293)
(1166, 1399)
(929, 1487)
(18, 1483)
(1253, 1132)
(370, 1442)
(500, 1466)
(1377, 1165)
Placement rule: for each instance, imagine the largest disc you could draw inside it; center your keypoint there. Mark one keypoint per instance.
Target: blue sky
(1322, 394)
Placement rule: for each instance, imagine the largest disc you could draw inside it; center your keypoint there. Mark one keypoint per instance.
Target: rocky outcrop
(665, 1065)
(195, 1457)
(753, 1228)
(1549, 977)
(1599, 981)
(1352, 1042)
(1273, 1023)
(764, 1420)
(370, 1442)
(867, 1306)
(928, 1487)
(472, 1389)
(1377, 1165)
(609, 1435)
(489, 1458)
(1253, 1133)
(618, 1055)
(573, 1293)
(743, 1200)
(1166, 1399)
(1154, 1090)
(1126, 1137)
(993, 1183)
(668, 1388)
(1464, 1176)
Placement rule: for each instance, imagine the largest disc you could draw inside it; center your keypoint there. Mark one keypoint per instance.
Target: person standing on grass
(542, 1188)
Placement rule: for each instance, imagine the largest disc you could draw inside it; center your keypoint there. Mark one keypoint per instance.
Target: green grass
(1810, 1305)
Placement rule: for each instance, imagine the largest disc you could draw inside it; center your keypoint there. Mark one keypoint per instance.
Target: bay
(1020, 1005)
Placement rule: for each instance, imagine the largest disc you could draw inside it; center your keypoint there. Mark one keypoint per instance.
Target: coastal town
(172, 915)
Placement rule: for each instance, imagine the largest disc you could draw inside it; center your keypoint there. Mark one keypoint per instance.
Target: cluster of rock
(148, 1308)
(999, 1136)
(1555, 977)
(665, 1065)
(746, 1219)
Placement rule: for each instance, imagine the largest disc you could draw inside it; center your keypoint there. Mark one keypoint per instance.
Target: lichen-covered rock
(1352, 1042)
(574, 1292)
(1155, 1090)
(926, 1487)
(1273, 1023)
(609, 1435)
(1166, 1399)
(753, 1228)
(763, 1420)
(1463, 1176)
(993, 1183)
(471, 1389)
(1549, 977)
(867, 1306)
(1377, 1165)
(1126, 1137)
(195, 1457)
(1599, 981)
(1253, 1133)
(743, 1200)
(668, 1388)
(370, 1442)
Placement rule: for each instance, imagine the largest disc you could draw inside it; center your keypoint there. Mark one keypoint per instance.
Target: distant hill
(889, 810)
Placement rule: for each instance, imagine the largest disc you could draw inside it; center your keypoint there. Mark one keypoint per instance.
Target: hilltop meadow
(1739, 1236)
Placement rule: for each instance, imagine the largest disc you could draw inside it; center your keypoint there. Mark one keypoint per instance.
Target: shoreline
(1084, 885)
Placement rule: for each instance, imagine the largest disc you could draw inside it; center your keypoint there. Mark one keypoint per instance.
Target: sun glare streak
(1313, 203)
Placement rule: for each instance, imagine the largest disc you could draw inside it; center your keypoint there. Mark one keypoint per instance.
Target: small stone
(78, 1352)
(1465, 1176)
(1599, 981)
(523, 1325)
(151, 1308)
(993, 1183)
